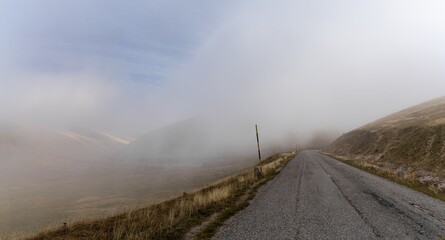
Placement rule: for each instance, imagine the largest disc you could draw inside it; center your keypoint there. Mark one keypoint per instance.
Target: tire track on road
(300, 177)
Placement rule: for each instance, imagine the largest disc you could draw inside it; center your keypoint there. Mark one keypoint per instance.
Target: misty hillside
(41, 154)
(48, 175)
(413, 137)
(193, 141)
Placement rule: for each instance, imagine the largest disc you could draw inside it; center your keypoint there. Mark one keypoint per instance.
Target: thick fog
(105, 104)
(296, 68)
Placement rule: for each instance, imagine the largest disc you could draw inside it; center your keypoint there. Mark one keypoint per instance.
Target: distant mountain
(413, 137)
(193, 141)
(30, 153)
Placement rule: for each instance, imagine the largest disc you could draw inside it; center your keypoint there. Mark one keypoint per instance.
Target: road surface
(317, 197)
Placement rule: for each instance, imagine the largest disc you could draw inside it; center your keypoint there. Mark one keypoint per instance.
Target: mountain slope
(413, 137)
(192, 142)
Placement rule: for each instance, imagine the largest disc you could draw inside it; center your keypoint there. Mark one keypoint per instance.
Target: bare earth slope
(414, 137)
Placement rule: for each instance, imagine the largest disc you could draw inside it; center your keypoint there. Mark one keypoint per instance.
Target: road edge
(389, 175)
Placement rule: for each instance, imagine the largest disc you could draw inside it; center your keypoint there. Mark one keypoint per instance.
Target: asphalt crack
(390, 206)
(360, 214)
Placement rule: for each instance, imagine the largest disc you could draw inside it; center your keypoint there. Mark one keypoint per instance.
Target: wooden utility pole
(258, 142)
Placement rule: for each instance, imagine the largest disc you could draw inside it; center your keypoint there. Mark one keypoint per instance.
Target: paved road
(317, 197)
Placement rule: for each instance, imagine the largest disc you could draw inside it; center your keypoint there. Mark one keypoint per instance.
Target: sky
(294, 67)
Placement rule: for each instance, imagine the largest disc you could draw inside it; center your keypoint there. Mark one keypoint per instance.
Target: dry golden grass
(408, 178)
(414, 137)
(11, 236)
(170, 219)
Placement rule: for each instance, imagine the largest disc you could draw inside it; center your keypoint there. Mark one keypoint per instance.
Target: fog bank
(293, 67)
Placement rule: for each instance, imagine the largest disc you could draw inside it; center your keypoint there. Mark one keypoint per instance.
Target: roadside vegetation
(407, 147)
(430, 185)
(194, 215)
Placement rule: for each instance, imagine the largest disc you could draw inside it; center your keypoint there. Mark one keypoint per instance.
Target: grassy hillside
(414, 137)
(194, 215)
(410, 142)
